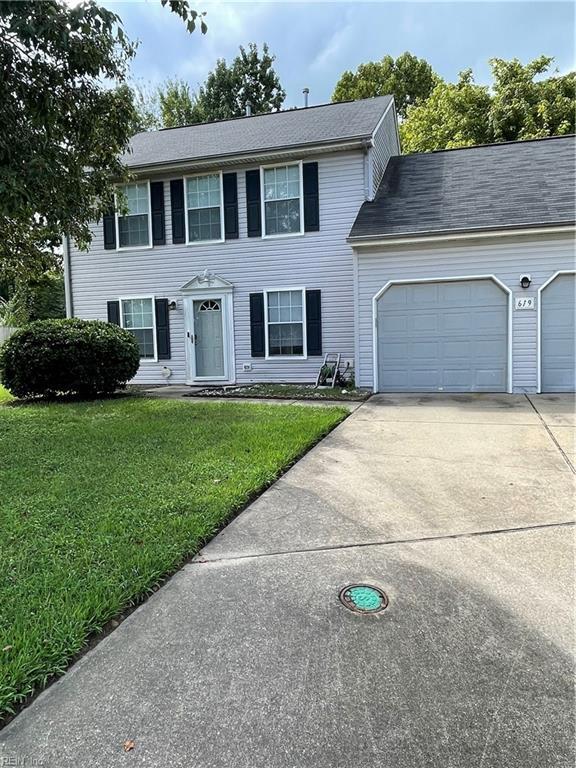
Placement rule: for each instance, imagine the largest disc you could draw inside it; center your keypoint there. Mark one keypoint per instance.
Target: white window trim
(263, 201)
(153, 299)
(222, 237)
(304, 355)
(134, 247)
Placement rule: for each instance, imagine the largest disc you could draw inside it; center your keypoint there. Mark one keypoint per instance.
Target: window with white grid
(204, 208)
(285, 323)
(282, 193)
(138, 317)
(134, 227)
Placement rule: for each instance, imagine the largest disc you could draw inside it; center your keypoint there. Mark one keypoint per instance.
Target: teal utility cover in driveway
(558, 308)
(443, 337)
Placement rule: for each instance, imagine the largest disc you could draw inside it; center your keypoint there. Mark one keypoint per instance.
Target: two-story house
(254, 246)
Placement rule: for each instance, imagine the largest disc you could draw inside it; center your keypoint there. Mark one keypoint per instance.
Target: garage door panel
(558, 334)
(456, 342)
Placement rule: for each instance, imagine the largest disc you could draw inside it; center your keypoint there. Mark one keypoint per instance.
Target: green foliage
(45, 297)
(13, 311)
(409, 79)
(517, 106)
(57, 121)
(81, 357)
(177, 105)
(454, 115)
(526, 108)
(250, 78)
(63, 129)
(101, 500)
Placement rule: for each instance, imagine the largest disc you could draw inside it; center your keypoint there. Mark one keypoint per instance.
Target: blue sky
(315, 42)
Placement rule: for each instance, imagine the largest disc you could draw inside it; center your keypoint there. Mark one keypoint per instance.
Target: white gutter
(371, 241)
(67, 276)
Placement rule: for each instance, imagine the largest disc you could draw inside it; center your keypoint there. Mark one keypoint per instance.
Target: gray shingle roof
(313, 125)
(515, 184)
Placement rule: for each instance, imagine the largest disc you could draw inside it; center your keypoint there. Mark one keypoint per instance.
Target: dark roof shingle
(259, 133)
(515, 184)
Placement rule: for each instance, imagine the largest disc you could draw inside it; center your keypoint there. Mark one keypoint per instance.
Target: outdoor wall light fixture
(525, 281)
(172, 305)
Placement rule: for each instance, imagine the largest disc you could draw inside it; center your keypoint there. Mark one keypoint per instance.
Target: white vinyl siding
(285, 323)
(386, 145)
(204, 210)
(318, 260)
(506, 258)
(282, 200)
(137, 316)
(134, 229)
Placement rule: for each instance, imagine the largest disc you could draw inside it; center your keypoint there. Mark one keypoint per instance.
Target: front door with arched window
(209, 338)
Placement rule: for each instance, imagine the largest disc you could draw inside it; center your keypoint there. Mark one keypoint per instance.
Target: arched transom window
(210, 305)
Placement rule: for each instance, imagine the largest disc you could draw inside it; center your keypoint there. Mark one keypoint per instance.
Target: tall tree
(178, 106)
(63, 130)
(526, 108)
(454, 115)
(409, 79)
(517, 106)
(250, 78)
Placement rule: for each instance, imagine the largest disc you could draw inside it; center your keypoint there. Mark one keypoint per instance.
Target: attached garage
(558, 334)
(442, 336)
(464, 271)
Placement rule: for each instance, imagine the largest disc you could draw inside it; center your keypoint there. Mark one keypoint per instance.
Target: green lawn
(101, 500)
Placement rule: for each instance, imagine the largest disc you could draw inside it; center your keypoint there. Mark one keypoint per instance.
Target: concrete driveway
(460, 508)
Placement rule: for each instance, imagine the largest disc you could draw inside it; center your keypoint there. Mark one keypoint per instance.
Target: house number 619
(524, 302)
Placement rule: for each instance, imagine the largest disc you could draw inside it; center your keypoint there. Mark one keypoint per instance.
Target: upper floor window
(282, 200)
(204, 212)
(134, 229)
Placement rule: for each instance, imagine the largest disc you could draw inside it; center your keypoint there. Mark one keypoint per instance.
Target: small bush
(79, 357)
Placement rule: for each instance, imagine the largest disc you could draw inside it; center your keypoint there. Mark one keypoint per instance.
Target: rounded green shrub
(72, 357)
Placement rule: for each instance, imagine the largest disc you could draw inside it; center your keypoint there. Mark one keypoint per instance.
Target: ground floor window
(285, 323)
(137, 315)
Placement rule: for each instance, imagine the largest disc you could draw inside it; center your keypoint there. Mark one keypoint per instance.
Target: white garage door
(443, 337)
(558, 308)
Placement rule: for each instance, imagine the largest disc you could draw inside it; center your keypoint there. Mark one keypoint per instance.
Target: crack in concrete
(199, 560)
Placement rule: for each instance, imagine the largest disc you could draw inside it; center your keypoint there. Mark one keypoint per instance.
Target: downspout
(67, 276)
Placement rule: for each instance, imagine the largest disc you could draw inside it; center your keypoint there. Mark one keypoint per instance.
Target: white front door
(209, 338)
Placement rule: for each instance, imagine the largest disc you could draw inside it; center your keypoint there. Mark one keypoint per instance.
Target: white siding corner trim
(539, 321)
(453, 278)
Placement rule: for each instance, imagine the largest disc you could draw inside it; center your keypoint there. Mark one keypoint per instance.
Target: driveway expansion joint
(199, 560)
(551, 435)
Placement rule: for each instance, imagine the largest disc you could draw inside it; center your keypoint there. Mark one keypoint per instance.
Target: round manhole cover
(363, 598)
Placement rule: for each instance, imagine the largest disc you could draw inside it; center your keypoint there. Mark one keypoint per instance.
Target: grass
(101, 500)
(285, 391)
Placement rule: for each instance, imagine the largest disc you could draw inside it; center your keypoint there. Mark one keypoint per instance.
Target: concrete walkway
(459, 508)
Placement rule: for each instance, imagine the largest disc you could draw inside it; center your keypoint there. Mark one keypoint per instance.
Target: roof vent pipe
(306, 91)
(248, 109)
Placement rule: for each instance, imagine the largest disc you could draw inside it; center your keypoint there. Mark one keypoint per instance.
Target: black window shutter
(253, 212)
(162, 329)
(313, 323)
(109, 224)
(257, 324)
(177, 206)
(114, 312)
(157, 208)
(230, 187)
(311, 198)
